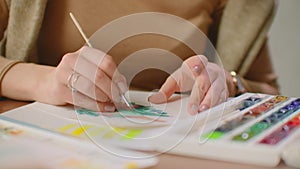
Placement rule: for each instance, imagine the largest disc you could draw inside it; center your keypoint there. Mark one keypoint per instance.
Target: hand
(87, 78)
(209, 84)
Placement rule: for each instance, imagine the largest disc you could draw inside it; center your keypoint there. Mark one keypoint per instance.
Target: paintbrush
(90, 45)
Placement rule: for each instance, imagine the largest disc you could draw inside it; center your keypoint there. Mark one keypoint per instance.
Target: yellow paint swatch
(80, 130)
(66, 127)
(131, 165)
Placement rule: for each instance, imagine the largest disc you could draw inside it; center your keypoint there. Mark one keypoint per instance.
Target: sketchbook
(253, 128)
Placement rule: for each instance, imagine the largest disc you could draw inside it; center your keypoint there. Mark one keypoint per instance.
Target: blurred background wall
(284, 43)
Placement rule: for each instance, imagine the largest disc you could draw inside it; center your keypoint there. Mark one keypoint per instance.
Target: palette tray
(253, 128)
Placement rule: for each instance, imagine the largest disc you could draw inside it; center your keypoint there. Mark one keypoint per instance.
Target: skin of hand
(97, 86)
(209, 84)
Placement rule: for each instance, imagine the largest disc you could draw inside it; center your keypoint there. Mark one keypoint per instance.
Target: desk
(166, 160)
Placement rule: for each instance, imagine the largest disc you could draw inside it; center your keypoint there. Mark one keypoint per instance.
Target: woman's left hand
(208, 82)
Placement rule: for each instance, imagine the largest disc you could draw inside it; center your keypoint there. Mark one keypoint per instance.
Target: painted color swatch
(139, 110)
(282, 132)
(104, 132)
(268, 122)
(248, 116)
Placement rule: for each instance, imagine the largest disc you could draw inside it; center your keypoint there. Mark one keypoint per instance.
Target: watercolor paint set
(255, 129)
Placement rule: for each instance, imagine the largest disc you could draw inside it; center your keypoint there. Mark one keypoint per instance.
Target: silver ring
(73, 77)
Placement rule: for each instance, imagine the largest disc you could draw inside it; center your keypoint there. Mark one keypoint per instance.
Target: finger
(200, 88)
(99, 78)
(224, 96)
(168, 88)
(107, 86)
(195, 65)
(106, 64)
(82, 84)
(88, 88)
(67, 63)
(214, 96)
(81, 100)
(218, 91)
(181, 80)
(92, 74)
(189, 71)
(103, 93)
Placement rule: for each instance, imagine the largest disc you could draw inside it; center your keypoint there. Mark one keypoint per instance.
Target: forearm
(25, 81)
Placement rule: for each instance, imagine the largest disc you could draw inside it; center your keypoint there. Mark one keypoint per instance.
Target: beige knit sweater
(242, 33)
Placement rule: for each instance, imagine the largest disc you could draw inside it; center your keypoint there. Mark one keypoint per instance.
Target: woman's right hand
(87, 78)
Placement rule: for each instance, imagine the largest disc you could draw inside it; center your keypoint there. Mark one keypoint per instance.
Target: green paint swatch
(132, 133)
(139, 110)
(214, 135)
(87, 112)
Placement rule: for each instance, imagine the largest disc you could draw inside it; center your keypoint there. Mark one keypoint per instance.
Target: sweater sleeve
(5, 65)
(261, 77)
(242, 43)
(3, 18)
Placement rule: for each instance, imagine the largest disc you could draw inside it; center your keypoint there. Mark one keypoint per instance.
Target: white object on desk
(291, 155)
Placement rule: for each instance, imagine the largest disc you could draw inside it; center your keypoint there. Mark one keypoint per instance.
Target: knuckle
(68, 59)
(88, 87)
(103, 98)
(202, 87)
(211, 67)
(83, 48)
(203, 80)
(100, 75)
(100, 96)
(203, 59)
(107, 64)
(100, 106)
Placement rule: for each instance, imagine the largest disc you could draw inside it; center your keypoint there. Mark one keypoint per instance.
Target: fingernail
(123, 87)
(196, 69)
(203, 108)
(109, 108)
(194, 109)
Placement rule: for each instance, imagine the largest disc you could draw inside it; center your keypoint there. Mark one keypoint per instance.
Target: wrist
(43, 85)
(24, 81)
(230, 85)
(237, 83)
